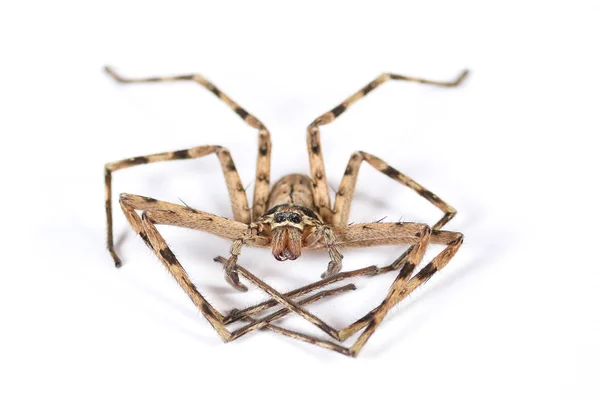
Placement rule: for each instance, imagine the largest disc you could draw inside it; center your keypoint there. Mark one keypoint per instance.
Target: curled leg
(437, 237)
(335, 256)
(236, 315)
(231, 275)
(401, 234)
(404, 284)
(400, 289)
(173, 214)
(397, 293)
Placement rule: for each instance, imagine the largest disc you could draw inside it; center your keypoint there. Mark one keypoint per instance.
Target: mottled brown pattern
(292, 189)
(293, 216)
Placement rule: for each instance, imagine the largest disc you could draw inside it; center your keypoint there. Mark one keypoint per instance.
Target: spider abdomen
(292, 189)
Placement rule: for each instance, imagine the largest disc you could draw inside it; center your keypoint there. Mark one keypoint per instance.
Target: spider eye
(288, 216)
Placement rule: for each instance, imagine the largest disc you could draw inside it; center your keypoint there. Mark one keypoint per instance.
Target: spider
(293, 215)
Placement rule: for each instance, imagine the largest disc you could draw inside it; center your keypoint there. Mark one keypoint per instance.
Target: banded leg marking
(313, 140)
(263, 164)
(237, 193)
(145, 227)
(403, 285)
(345, 192)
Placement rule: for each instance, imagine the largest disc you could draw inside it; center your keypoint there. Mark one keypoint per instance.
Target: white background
(514, 315)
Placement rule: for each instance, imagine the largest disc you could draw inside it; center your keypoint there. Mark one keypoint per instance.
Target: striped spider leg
(361, 235)
(237, 193)
(160, 212)
(338, 216)
(367, 235)
(317, 164)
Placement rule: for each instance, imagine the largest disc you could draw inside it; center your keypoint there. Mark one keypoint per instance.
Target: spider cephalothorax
(300, 216)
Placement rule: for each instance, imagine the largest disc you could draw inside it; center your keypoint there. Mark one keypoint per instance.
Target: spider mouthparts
(287, 244)
(285, 255)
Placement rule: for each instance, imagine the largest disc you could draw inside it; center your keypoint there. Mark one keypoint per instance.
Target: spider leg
(236, 315)
(286, 303)
(317, 165)
(402, 286)
(263, 163)
(345, 192)
(399, 233)
(397, 293)
(172, 214)
(237, 193)
(166, 213)
(420, 278)
(437, 237)
(304, 338)
(199, 79)
(366, 235)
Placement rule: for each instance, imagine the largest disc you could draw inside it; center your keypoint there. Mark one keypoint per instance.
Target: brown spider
(293, 215)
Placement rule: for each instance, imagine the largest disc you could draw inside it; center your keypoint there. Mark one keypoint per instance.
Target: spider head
(289, 226)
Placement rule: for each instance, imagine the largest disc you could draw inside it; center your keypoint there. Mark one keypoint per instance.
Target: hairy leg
(345, 192)
(372, 319)
(172, 214)
(237, 194)
(353, 236)
(313, 139)
(404, 284)
(263, 162)
(400, 233)
(236, 315)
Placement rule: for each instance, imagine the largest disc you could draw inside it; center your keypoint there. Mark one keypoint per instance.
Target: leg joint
(358, 154)
(459, 239)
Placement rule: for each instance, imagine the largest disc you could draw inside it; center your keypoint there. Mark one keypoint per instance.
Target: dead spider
(293, 215)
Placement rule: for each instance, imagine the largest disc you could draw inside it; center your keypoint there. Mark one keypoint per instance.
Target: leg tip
(350, 286)
(115, 258)
(111, 72)
(235, 282)
(461, 77)
(108, 69)
(332, 269)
